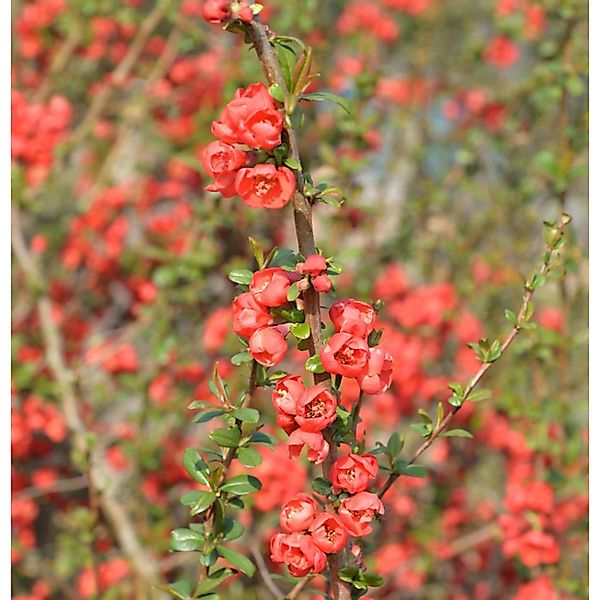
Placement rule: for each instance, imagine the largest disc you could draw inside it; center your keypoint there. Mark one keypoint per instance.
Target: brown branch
(264, 572)
(303, 222)
(521, 318)
(298, 588)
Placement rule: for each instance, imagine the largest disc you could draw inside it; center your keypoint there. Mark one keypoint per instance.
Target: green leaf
(300, 330)
(181, 589)
(320, 96)
(314, 364)
(249, 457)
(349, 574)
(479, 395)
(232, 530)
(195, 466)
(286, 259)
(510, 316)
(241, 276)
(414, 471)
(198, 501)
(425, 429)
(292, 164)
(321, 486)
(186, 540)
(277, 92)
(241, 484)
(208, 415)
(293, 292)
(247, 415)
(463, 433)
(213, 596)
(237, 560)
(257, 251)
(227, 438)
(260, 437)
(372, 579)
(213, 580)
(240, 358)
(395, 444)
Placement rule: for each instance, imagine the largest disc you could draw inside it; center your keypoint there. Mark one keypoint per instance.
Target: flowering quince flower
(328, 533)
(298, 513)
(265, 186)
(270, 286)
(318, 448)
(314, 265)
(378, 376)
(298, 552)
(345, 354)
(322, 283)
(501, 52)
(251, 118)
(286, 394)
(267, 346)
(286, 422)
(221, 161)
(353, 472)
(357, 512)
(248, 315)
(315, 409)
(352, 316)
(216, 11)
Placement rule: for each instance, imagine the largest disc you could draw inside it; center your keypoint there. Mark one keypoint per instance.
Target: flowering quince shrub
(341, 442)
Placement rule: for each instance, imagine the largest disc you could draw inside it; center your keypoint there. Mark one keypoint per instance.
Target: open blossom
(357, 512)
(345, 354)
(221, 161)
(287, 393)
(267, 346)
(298, 552)
(270, 286)
(248, 315)
(328, 533)
(251, 118)
(352, 316)
(265, 186)
(318, 448)
(298, 513)
(378, 374)
(353, 472)
(315, 409)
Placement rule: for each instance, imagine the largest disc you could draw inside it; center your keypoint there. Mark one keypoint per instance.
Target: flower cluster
(250, 122)
(309, 534)
(348, 353)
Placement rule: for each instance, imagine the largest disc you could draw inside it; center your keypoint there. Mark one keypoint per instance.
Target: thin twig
(298, 588)
(264, 572)
(521, 318)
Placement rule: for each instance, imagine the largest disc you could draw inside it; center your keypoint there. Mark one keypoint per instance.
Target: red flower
(221, 161)
(318, 448)
(346, 355)
(352, 316)
(322, 283)
(267, 346)
(501, 52)
(248, 315)
(265, 186)
(378, 376)
(328, 533)
(298, 552)
(287, 393)
(314, 265)
(251, 118)
(353, 472)
(357, 512)
(315, 409)
(270, 286)
(286, 422)
(215, 11)
(298, 513)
